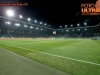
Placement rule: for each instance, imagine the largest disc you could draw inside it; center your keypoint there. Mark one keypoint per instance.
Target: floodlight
(25, 26)
(17, 24)
(71, 25)
(78, 24)
(31, 27)
(67, 30)
(29, 19)
(20, 16)
(49, 25)
(45, 24)
(85, 23)
(40, 22)
(85, 29)
(37, 28)
(65, 25)
(8, 23)
(10, 13)
(35, 21)
(60, 26)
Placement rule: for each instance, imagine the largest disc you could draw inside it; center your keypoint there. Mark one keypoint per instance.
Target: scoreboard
(54, 32)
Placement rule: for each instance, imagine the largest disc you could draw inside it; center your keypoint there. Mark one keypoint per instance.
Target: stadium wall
(15, 38)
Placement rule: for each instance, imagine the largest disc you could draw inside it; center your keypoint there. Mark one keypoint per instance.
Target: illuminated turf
(84, 50)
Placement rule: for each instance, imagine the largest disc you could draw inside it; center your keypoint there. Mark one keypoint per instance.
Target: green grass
(85, 50)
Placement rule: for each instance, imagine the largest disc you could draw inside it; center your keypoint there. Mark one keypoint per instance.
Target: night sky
(53, 12)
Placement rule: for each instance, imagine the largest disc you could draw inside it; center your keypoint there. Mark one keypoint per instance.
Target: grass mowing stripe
(57, 55)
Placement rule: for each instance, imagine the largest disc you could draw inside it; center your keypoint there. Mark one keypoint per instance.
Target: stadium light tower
(20, 16)
(10, 13)
(29, 19)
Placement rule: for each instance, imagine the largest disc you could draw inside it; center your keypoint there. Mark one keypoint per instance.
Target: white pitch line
(55, 55)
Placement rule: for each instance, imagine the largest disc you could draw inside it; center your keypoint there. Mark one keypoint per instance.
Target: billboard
(54, 32)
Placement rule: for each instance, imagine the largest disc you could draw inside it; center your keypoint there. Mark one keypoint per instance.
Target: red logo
(97, 5)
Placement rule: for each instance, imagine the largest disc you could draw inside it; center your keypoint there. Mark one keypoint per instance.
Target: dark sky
(53, 12)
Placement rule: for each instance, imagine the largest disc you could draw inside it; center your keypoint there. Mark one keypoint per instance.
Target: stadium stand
(9, 29)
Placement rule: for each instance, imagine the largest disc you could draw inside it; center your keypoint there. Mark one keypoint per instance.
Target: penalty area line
(54, 55)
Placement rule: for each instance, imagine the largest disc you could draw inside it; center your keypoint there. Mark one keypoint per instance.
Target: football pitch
(72, 56)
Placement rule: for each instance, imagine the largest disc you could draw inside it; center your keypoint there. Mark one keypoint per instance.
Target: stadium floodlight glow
(60, 26)
(65, 25)
(45, 24)
(67, 30)
(78, 24)
(29, 19)
(40, 22)
(10, 13)
(31, 27)
(37, 28)
(8, 23)
(49, 25)
(85, 23)
(71, 25)
(35, 21)
(85, 29)
(25, 26)
(17, 24)
(20, 16)
(41, 29)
